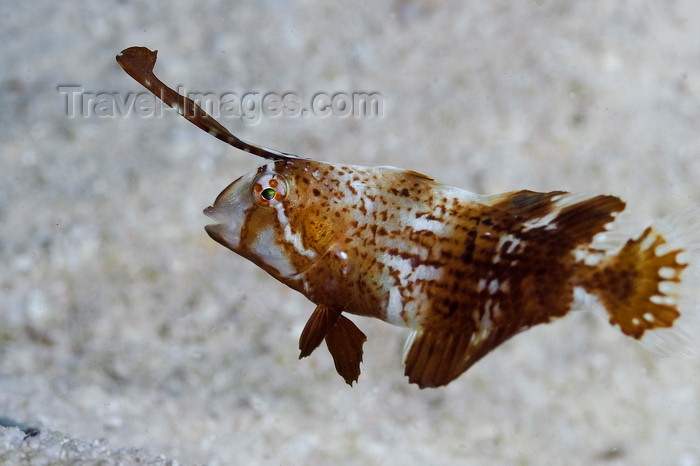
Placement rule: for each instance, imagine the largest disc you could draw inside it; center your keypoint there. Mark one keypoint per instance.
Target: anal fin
(434, 358)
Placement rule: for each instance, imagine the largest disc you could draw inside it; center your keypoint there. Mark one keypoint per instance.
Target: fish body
(465, 272)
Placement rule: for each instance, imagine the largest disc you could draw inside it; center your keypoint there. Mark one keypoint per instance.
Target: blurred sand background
(122, 321)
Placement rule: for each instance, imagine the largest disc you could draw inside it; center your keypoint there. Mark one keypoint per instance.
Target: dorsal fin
(525, 203)
(578, 217)
(138, 62)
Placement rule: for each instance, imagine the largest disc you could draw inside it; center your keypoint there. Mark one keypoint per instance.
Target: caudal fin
(650, 286)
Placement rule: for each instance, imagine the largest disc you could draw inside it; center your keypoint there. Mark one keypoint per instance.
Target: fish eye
(269, 189)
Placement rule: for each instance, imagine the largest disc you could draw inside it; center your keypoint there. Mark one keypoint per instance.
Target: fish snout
(228, 231)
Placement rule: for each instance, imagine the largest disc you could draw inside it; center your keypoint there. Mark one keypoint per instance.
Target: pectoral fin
(316, 329)
(344, 341)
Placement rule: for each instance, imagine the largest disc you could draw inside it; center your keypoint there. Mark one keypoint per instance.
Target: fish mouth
(214, 230)
(222, 213)
(226, 231)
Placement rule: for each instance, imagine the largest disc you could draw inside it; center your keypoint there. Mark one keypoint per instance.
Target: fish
(464, 272)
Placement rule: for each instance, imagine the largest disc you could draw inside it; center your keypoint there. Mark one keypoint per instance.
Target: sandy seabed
(128, 336)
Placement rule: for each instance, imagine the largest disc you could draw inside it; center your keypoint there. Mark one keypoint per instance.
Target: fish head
(271, 217)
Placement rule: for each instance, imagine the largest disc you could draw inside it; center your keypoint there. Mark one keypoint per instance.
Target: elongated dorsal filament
(138, 62)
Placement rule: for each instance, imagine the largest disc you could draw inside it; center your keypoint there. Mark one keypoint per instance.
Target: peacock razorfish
(465, 272)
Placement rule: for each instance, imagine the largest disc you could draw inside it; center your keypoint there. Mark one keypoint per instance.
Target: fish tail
(650, 287)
